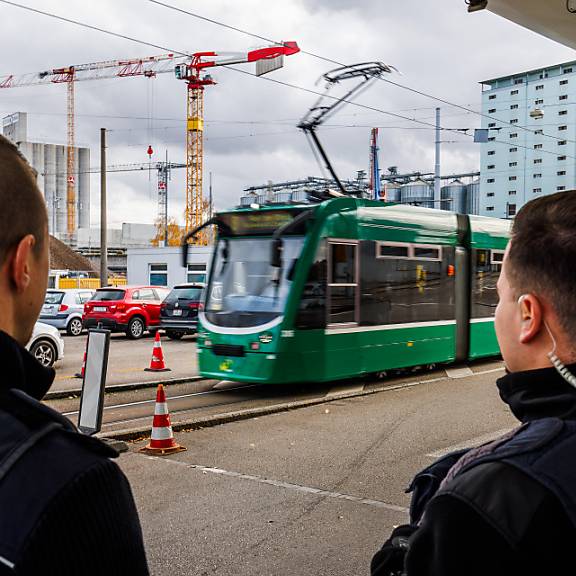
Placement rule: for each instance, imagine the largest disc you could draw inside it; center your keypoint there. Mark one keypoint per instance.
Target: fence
(93, 283)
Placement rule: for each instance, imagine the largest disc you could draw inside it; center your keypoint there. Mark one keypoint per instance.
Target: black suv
(179, 311)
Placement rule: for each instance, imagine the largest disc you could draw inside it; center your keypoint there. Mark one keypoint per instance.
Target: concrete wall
(140, 259)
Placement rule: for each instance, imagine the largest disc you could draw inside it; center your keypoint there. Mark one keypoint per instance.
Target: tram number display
(264, 222)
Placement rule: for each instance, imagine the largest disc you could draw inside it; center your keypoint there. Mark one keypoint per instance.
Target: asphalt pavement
(127, 361)
(310, 491)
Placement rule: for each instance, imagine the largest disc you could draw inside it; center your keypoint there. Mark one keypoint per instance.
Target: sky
(250, 135)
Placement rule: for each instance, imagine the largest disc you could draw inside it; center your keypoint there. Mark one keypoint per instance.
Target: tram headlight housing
(254, 346)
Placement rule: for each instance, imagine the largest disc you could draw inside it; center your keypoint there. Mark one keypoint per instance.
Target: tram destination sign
(258, 223)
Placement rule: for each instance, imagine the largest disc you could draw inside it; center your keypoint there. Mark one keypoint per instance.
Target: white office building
(531, 148)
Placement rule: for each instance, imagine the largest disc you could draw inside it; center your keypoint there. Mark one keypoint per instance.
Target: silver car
(46, 344)
(63, 309)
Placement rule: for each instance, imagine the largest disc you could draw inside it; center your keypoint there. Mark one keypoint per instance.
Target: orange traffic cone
(83, 370)
(157, 361)
(162, 438)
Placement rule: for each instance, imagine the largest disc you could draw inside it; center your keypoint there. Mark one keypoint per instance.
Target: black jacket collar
(20, 370)
(539, 393)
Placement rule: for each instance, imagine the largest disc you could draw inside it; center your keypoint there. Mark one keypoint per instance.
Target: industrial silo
(473, 197)
(453, 197)
(417, 193)
(392, 192)
(300, 196)
(283, 197)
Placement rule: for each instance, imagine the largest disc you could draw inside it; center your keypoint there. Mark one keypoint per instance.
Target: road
(127, 361)
(309, 491)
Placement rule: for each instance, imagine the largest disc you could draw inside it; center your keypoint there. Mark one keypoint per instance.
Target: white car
(46, 344)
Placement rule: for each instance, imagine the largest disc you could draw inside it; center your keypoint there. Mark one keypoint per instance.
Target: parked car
(46, 344)
(63, 309)
(179, 311)
(129, 309)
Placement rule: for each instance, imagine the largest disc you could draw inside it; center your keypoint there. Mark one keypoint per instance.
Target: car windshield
(188, 293)
(108, 295)
(242, 290)
(53, 297)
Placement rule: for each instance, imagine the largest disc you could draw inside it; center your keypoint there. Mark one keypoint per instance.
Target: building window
(512, 178)
(514, 121)
(514, 135)
(537, 176)
(561, 173)
(489, 208)
(514, 107)
(490, 180)
(563, 82)
(563, 97)
(537, 160)
(492, 124)
(537, 146)
(491, 152)
(537, 190)
(492, 97)
(567, 71)
(519, 81)
(492, 110)
(492, 139)
(513, 150)
(562, 142)
(490, 166)
(511, 192)
(158, 274)
(513, 92)
(538, 131)
(560, 158)
(511, 209)
(562, 112)
(512, 164)
(562, 128)
(490, 194)
(538, 102)
(196, 273)
(560, 188)
(540, 87)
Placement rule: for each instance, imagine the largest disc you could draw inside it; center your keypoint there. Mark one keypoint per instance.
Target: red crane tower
(193, 73)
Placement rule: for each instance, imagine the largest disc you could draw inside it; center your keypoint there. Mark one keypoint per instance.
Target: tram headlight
(208, 343)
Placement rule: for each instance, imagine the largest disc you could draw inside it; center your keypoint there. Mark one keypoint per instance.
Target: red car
(130, 309)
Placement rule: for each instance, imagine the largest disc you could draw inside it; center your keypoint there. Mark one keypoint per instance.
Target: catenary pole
(103, 215)
(437, 162)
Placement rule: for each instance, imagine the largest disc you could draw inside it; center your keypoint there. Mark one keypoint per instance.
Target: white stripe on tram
(329, 331)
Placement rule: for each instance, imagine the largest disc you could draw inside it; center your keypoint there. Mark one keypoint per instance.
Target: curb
(142, 432)
(60, 394)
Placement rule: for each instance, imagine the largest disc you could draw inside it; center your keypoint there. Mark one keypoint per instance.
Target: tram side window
(487, 265)
(312, 308)
(415, 286)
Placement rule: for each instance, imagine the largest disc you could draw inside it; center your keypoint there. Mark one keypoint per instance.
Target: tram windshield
(244, 289)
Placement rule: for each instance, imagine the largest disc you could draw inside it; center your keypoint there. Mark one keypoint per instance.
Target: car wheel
(174, 335)
(136, 328)
(74, 327)
(45, 352)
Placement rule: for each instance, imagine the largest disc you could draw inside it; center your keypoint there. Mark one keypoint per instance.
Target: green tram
(346, 287)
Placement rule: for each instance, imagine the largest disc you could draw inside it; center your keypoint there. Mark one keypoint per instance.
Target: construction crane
(148, 67)
(194, 74)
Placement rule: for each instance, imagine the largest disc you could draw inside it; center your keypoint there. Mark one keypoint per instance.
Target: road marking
(470, 443)
(461, 372)
(286, 485)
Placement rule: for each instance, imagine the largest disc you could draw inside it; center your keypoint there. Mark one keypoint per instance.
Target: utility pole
(437, 162)
(103, 218)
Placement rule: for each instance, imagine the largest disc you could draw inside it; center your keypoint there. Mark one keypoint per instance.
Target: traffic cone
(83, 370)
(157, 361)
(162, 438)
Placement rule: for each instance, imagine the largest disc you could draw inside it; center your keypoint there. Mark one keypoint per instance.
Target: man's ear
(22, 262)
(531, 318)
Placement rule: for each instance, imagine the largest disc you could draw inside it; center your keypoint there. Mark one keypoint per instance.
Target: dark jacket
(65, 507)
(498, 514)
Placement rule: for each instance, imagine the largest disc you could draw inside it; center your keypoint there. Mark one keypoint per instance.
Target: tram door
(343, 303)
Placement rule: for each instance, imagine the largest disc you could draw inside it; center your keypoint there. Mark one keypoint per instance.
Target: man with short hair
(509, 506)
(65, 507)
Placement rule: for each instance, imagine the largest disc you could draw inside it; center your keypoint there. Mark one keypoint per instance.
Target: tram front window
(243, 290)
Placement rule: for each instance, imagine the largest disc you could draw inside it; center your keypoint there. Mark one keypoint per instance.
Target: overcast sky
(250, 130)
